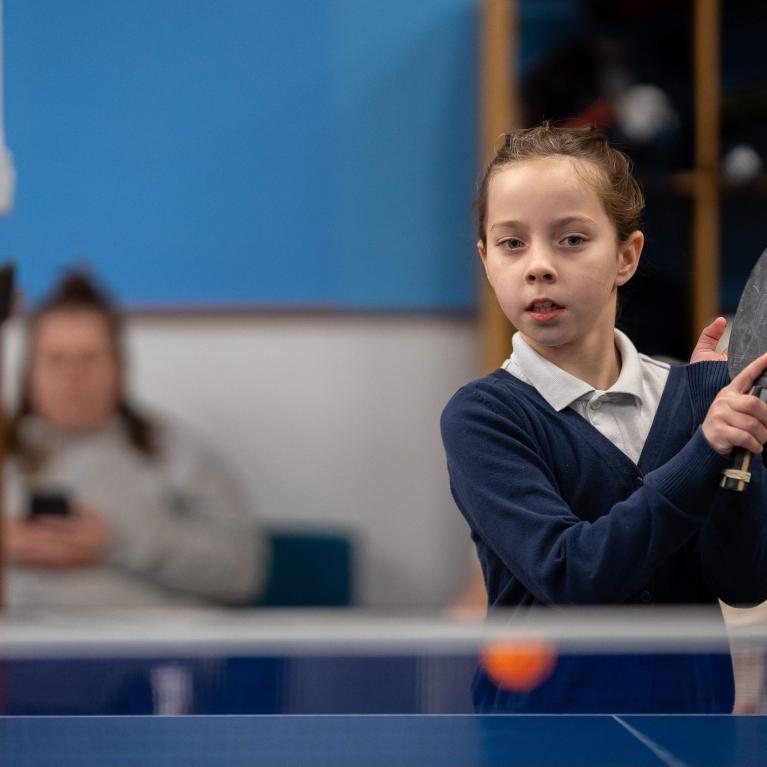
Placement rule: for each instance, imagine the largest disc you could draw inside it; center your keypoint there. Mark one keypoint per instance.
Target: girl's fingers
(736, 420)
(744, 381)
(734, 437)
(748, 405)
(712, 334)
(750, 426)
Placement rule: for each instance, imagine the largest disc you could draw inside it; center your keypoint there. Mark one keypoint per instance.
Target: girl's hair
(76, 291)
(617, 188)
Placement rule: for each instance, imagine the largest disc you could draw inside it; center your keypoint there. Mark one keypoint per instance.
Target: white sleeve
(205, 542)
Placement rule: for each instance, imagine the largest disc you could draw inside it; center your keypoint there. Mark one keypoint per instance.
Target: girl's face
(553, 256)
(74, 375)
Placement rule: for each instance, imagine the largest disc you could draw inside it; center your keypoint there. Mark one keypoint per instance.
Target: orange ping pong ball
(519, 666)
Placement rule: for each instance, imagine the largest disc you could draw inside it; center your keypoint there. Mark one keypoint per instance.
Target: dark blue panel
(714, 740)
(311, 741)
(425, 741)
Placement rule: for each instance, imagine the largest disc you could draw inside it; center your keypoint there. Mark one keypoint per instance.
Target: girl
(589, 473)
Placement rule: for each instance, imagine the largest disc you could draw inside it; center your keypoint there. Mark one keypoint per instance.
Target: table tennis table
(386, 740)
(233, 690)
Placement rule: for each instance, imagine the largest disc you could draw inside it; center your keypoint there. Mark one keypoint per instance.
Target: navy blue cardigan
(560, 516)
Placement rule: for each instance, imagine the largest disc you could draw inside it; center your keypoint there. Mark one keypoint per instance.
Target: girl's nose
(539, 271)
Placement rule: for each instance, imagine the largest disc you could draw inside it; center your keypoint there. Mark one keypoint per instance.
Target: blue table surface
(393, 740)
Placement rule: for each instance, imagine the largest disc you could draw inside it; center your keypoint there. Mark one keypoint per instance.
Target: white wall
(325, 420)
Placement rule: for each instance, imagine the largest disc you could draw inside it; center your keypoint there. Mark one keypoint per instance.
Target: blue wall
(246, 152)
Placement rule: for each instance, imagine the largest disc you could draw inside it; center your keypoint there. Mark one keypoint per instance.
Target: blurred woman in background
(104, 507)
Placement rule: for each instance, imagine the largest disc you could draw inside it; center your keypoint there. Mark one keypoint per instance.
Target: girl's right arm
(505, 485)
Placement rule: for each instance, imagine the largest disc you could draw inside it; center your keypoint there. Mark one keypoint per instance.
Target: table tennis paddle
(748, 340)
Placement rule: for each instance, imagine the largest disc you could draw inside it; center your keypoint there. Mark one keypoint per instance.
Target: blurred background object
(741, 164)
(284, 211)
(104, 505)
(7, 170)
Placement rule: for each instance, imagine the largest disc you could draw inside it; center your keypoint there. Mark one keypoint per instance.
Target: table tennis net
(286, 662)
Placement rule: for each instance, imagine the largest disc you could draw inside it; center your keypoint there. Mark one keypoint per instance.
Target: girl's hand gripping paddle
(748, 340)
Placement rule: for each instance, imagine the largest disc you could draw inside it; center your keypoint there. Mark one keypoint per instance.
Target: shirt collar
(630, 378)
(559, 388)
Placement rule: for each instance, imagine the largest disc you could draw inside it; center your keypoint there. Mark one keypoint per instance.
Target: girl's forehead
(568, 173)
(548, 181)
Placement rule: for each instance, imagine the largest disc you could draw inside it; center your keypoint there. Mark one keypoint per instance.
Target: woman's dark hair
(613, 181)
(76, 291)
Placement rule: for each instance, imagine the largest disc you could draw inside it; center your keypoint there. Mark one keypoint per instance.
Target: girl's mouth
(544, 311)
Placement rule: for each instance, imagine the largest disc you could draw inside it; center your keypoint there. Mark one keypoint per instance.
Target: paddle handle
(738, 475)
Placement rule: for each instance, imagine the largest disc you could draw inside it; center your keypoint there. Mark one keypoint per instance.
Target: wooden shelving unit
(499, 114)
(499, 99)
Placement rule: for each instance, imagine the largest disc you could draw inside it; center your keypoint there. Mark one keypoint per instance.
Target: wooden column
(499, 101)
(705, 245)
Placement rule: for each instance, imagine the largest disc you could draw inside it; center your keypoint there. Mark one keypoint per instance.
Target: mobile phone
(6, 290)
(48, 504)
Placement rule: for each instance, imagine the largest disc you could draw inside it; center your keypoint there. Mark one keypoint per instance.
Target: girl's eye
(574, 240)
(511, 244)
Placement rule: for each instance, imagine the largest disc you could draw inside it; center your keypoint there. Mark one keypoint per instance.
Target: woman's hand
(735, 417)
(79, 540)
(705, 349)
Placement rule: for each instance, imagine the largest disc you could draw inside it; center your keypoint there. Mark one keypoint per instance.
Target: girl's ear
(628, 257)
(481, 250)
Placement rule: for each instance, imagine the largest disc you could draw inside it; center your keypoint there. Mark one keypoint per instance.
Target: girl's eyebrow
(510, 224)
(567, 220)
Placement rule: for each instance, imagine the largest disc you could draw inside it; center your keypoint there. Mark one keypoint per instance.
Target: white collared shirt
(624, 413)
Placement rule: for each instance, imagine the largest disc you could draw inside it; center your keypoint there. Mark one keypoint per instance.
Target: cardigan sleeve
(507, 492)
(733, 539)
(734, 543)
